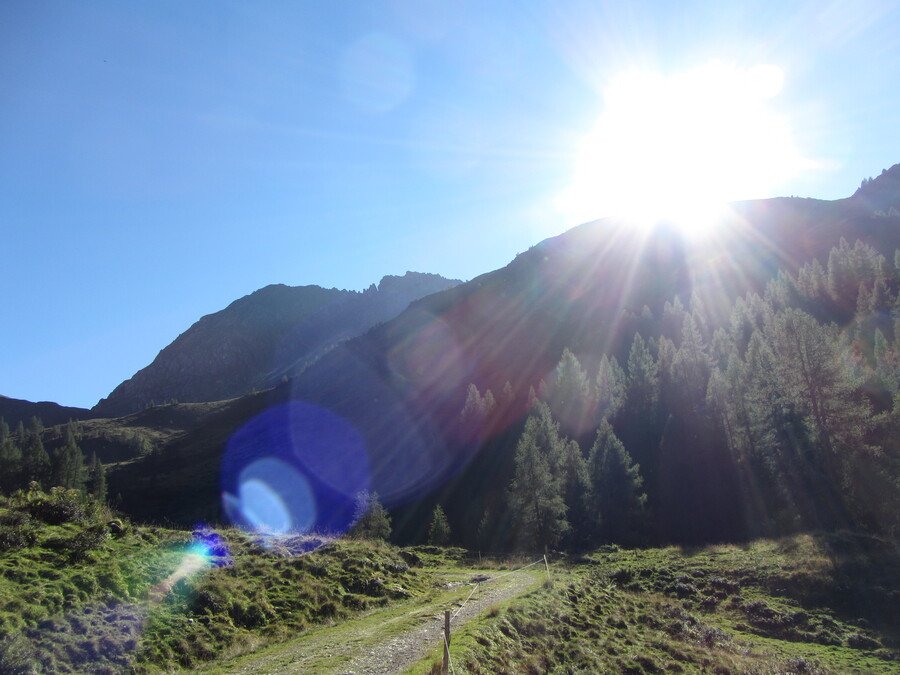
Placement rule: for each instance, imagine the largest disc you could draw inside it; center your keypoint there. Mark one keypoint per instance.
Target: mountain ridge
(260, 338)
(402, 384)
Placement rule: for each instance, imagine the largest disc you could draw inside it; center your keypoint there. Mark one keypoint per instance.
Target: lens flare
(273, 498)
(295, 468)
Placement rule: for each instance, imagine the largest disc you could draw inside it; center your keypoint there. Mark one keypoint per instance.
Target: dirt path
(386, 641)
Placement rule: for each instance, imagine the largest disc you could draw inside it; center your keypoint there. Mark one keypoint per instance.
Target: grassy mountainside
(403, 384)
(798, 605)
(81, 591)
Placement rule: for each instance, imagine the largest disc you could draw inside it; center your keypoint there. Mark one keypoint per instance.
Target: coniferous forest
(755, 431)
(775, 417)
(773, 414)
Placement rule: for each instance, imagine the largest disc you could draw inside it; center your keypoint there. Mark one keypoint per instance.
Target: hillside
(14, 410)
(272, 333)
(399, 389)
(80, 593)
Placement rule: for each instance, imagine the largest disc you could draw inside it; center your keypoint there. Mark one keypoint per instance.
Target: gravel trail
(356, 647)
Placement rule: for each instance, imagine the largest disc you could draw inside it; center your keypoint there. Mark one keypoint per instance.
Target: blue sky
(159, 160)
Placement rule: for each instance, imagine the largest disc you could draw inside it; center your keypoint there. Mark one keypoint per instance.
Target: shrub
(87, 540)
(16, 537)
(58, 507)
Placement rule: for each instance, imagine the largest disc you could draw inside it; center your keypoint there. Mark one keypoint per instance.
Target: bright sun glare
(680, 147)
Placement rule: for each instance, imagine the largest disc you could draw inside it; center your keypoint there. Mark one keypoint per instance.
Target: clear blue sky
(160, 159)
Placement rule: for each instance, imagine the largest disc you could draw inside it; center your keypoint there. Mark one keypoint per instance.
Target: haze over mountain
(272, 333)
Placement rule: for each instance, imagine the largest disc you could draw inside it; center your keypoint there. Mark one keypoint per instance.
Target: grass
(799, 605)
(83, 592)
(320, 650)
(86, 595)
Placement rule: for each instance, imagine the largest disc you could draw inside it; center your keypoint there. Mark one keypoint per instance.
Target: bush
(58, 507)
(87, 540)
(17, 533)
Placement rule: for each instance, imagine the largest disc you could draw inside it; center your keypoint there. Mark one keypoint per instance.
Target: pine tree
(639, 422)
(575, 488)
(371, 519)
(35, 460)
(96, 485)
(814, 377)
(11, 466)
(439, 529)
(535, 493)
(617, 499)
(642, 390)
(609, 388)
(569, 393)
(68, 463)
(475, 413)
(483, 533)
(692, 364)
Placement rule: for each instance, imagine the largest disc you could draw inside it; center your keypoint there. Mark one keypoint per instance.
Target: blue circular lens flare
(294, 468)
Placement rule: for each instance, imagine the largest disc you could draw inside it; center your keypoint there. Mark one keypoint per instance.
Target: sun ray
(678, 148)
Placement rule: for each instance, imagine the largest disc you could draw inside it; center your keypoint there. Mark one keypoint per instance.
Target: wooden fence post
(445, 667)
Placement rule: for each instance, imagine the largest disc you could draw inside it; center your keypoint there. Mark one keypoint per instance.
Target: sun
(679, 148)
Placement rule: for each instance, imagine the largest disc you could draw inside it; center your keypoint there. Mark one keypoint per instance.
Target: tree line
(777, 415)
(24, 460)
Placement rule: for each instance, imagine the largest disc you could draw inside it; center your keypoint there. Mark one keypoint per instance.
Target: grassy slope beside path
(388, 640)
(803, 605)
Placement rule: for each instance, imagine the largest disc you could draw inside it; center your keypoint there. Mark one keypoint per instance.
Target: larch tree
(371, 519)
(535, 493)
(439, 528)
(617, 500)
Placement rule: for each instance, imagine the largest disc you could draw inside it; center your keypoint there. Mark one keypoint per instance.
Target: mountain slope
(400, 387)
(276, 331)
(14, 410)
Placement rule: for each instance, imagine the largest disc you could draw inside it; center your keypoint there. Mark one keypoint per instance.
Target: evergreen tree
(483, 539)
(507, 397)
(642, 391)
(609, 388)
(673, 318)
(639, 422)
(96, 485)
(474, 415)
(569, 394)
(11, 466)
(67, 465)
(818, 382)
(617, 499)
(692, 362)
(36, 426)
(575, 486)
(439, 529)
(535, 493)
(371, 519)
(35, 460)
